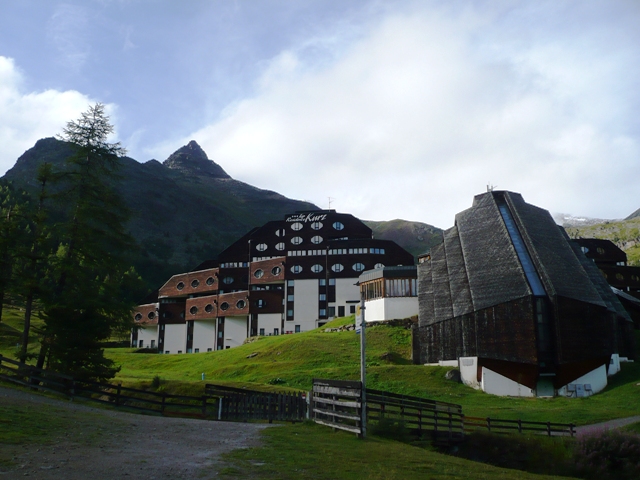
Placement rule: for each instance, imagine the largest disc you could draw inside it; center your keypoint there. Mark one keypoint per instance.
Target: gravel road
(120, 445)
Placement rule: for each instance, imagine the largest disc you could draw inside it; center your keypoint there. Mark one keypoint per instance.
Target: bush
(610, 454)
(156, 382)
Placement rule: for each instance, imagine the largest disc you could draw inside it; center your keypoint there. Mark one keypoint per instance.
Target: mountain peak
(191, 159)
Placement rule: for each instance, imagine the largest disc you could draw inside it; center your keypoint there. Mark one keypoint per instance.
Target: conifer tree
(85, 303)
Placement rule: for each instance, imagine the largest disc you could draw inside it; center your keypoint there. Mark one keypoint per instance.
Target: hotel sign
(306, 217)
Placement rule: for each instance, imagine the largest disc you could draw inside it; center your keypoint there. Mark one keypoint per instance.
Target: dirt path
(120, 445)
(609, 425)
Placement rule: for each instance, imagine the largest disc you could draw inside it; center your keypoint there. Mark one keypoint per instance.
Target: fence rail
(244, 404)
(337, 404)
(510, 426)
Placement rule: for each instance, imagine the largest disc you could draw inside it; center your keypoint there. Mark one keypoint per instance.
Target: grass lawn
(312, 451)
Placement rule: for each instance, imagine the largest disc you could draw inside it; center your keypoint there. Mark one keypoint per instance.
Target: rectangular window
(290, 283)
(352, 309)
(332, 311)
(227, 347)
(332, 281)
(276, 331)
(322, 282)
(179, 351)
(261, 332)
(297, 328)
(153, 343)
(341, 311)
(323, 297)
(289, 298)
(208, 349)
(167, 351)
(140, 343)
(219, 334)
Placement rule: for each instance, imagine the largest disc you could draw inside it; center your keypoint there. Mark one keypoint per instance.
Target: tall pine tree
(85, 303)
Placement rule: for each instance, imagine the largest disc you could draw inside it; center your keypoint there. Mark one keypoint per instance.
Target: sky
(393, 109)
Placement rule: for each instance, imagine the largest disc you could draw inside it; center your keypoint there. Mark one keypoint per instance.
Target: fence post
(204, 405)
(519, 426)
(118, 395)
(220, 408)
(571, 429)
(488, 424)
(164, 396)
(549, 428)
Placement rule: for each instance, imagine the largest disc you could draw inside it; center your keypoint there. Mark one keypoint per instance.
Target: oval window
(619, 276)
(193, 310)
(138, 317)
(208, 308)
(600, 250)
(261, 247)
(210, 281)
(358, 267)
(258, 273)
(316, 225)
(379, 265)
(195, 284)
(338, 226)
(280, 232)
(317, 268)
(296, 269)
(180, 285)
(337, 267)
(296, 240)
(296, 226)
(276, 271)
(317, 239)
(227, 280)
(280, 246)
(224, 306)
(151, 315)
(241, 304)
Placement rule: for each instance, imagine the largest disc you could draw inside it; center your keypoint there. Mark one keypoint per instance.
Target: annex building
(288, 276)
(512, 301)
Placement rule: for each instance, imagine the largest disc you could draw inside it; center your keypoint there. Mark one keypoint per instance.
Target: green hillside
(417, 238)
(624, 233)
(293, 361)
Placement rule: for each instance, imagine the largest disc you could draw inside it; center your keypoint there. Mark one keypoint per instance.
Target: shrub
(156, 381)
(610, 454)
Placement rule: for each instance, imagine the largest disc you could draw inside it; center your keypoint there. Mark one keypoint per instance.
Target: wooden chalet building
(288, 276)
(518, 306)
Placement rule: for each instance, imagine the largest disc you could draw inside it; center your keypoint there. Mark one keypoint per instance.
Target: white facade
(305, 304)
(347, 294)
(497, 384)
(235, 331)
(271, 323)
(469, 371)
(147, 337)
(593, 382)
(175, 338)
(204, 335)
(391, 308)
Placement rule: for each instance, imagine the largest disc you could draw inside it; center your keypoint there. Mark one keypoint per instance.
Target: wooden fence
(337, 404)
(444, 421)
(114, 395)
(510, 426)
(244, 404)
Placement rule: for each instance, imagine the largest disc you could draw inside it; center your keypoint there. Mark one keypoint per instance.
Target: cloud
(25, 117)
(428, 108)
(68, 29)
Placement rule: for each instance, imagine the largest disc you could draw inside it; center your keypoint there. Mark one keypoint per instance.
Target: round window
(138, 317)
(316, 225)
(211, 281)
(227, 280)
(296, 240)
(337, 267)
(276, 271)
(317, 239)
(296, 226)
(317, 268)
(180, 285)
(280, 246)
(151, 315)
(258, 273)
(193, 310)
(338, 226)
(358, 267)
(195, 284)
(261, 247)
(224, 306)
(208, 308)
(241, 304)
(296, 269)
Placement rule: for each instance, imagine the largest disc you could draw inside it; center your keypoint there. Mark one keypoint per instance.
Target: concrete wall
(235, 331)
(391, 308)
(146, 335)
(175, 338)
(597, 379)
(269, 321)
(305, 305)
(469, 371)
(496, 384)
(346, 290)
(204, 335)
(614, 365)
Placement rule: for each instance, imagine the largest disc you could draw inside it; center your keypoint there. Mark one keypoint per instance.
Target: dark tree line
(64, 252)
